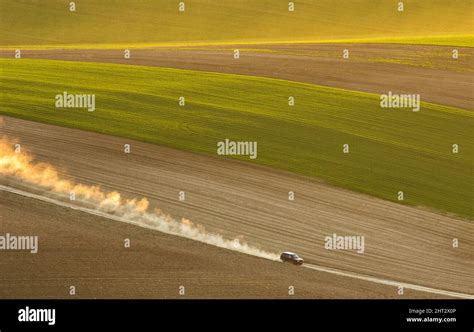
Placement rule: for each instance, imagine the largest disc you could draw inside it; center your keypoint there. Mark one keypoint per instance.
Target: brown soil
(402, 243)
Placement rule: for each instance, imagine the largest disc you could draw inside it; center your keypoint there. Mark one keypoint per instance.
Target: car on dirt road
(291, 258)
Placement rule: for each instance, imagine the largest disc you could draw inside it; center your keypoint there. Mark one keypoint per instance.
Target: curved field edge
(442, 40)
(390, 150)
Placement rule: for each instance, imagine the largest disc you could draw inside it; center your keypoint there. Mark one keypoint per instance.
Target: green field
(390, 150)
(152, 22)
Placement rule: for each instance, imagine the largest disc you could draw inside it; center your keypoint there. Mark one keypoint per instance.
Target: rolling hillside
(49, 22)
(390, 150)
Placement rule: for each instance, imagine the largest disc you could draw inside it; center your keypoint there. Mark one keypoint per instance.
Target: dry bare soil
(402, 243)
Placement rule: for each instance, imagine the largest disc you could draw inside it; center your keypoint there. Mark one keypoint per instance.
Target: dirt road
(88, 252)
(237, 199)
